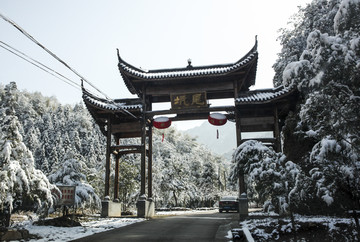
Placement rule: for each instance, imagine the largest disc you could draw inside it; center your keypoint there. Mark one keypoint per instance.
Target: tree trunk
(176, 202)
(5, 217)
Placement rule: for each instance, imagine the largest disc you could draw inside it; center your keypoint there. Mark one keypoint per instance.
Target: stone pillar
(110, 209)
(243, 207)
(145, 207)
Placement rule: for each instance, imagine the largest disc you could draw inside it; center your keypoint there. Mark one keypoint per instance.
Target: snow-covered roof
(111, 105)
(127, 110)
(264, 95)
(187, 72)
(133, 77)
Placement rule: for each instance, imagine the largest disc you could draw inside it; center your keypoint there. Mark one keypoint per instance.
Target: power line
(39, 65)
(44, 48)
(63, 62)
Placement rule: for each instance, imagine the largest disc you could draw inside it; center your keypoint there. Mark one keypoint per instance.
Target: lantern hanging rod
(190, 110)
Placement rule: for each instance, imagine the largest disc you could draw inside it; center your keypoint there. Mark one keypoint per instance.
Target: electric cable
(39, 65)
(63, 62)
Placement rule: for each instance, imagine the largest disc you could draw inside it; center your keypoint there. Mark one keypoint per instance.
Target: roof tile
(264, 95)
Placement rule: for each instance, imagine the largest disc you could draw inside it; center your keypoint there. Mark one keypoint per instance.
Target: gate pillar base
(145, 207)
(110, 209)
(243, 207)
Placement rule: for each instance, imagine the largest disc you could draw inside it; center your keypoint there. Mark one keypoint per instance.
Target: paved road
(199, 227)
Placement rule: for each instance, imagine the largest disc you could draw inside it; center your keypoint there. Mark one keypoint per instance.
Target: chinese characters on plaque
(189, 100)
(68, 195)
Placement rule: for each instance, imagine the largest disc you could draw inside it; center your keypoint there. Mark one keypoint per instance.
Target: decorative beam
(195, 116)
(195, 87)
(128, 134)
(257, 128)
(125, 152)
(263, 140)
(126, 127)
(119, 147)
(257, 120)
(190, 111)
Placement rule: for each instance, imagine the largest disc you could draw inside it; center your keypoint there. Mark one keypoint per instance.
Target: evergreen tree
(128, 185)
(271, 179)
(185, 173)
(21, 185)
(321, 56)
(72, 173)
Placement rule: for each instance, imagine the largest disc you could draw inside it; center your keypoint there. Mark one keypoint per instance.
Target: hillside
(225, 143)
(206, 134)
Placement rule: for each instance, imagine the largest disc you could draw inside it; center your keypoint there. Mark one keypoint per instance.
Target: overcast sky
(153, 34)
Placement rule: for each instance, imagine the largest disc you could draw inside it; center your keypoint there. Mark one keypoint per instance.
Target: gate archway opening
(188, 90)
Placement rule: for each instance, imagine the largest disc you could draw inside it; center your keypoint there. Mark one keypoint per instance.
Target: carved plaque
(188, 100)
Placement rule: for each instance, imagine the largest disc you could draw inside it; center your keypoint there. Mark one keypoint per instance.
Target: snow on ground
(96, 225)
(51, 233)
(259, 226)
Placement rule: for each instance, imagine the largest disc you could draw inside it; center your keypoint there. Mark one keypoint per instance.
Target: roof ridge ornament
(189, 63)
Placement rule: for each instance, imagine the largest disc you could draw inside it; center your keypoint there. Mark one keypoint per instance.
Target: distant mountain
(220, 144)
(225, 143)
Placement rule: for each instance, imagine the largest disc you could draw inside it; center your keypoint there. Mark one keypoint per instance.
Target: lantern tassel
(163, 136)
(217, 134)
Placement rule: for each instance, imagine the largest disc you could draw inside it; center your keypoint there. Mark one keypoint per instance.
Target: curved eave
(129, 72)
(99, 108)
(106, 105)
(265, 95)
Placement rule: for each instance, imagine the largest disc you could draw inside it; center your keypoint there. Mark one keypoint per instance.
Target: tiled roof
(111, 105)
(188, 72)
(264, 95)
(128, 71)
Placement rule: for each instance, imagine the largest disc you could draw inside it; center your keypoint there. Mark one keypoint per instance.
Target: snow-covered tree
(209, 181)
(321, 56)
(270, 178)
(128, 182)
(21, 185)
(72, 173)
(317, 15)
(185, 173)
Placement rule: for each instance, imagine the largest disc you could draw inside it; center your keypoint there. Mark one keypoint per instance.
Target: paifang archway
(186, 88)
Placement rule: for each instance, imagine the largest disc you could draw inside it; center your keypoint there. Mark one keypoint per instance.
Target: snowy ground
(309, 228)
(262, 226)
(95, 225)
(51, 233)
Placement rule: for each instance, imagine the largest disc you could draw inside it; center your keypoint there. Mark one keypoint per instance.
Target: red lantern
(162, 122)
(217, 119)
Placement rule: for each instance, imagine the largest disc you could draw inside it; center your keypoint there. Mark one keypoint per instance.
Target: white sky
(153, 34)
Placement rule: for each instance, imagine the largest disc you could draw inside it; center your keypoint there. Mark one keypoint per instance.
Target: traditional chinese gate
(189, 90)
